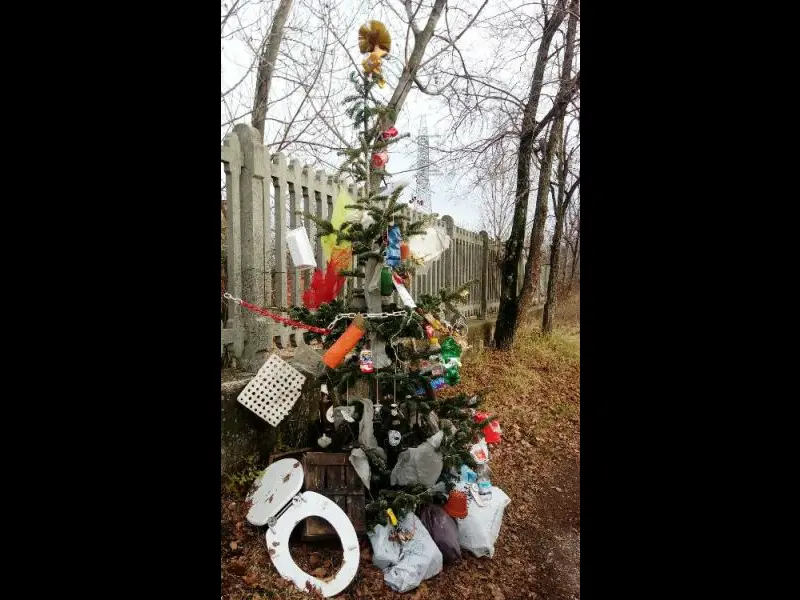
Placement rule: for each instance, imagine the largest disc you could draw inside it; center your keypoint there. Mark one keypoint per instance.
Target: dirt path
(537, 397)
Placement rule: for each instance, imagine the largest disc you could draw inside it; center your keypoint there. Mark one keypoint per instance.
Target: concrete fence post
(484, 274)
(253, 218)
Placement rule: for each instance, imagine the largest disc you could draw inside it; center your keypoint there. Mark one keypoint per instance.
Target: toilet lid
(314, 505)
(273, 489)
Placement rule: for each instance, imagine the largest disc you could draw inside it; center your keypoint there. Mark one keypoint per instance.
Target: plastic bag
(429, 246)
(478, 531)
(420, 465)
(360, 462)
(443, 530)
(366, 427)
(405, 564)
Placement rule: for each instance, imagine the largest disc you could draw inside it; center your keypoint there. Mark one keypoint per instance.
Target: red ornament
(389, 133)
(492, 431)
(379, 159)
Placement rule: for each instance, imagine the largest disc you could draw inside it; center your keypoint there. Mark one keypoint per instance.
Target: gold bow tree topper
(375, 41)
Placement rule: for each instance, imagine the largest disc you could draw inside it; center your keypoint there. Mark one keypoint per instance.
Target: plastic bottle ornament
(456, 505)
(387, 285)
(405, 250)
(394, 437)
(365, 362)
(393, 252)
(334, 356)
(484, 481)
(379, 159)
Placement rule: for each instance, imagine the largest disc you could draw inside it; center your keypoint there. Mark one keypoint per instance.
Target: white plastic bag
(405, 564)
(478, 531)
(420, 465)
(385, 553)
(429, 246)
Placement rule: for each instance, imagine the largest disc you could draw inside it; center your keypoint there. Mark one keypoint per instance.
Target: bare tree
(497, 197)
(570, 243)
(567, 89)
(561, 201)
(497, 208)
(266, 65)
(507, 313)
(486, 107)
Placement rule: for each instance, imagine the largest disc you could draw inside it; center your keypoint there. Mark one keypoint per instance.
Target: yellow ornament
(372, 36)
(392, 518)
(372, 64)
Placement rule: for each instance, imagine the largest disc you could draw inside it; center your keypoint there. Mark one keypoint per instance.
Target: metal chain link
(340, 316)
(381, 315)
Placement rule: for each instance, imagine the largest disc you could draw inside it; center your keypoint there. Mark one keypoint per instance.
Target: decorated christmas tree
(386, 353)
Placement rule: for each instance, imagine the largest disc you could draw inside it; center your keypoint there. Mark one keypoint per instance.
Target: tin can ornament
(365, 362)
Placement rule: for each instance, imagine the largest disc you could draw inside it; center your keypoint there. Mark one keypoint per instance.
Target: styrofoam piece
(311, 504)
(273, 391)
(274, 489)
(300, 248)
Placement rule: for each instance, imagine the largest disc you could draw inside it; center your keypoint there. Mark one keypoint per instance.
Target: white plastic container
(300, 248)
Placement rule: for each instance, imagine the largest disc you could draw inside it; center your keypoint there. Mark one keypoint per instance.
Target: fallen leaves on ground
(536, 396)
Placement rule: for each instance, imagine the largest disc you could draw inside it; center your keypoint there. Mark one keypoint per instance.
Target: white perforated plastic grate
(273, 391)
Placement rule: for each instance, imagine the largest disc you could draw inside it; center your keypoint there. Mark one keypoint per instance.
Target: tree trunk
(507, 312)
(266, 66)
(555, 264)
(560, 204)
(566, 89)
(530, 282)
(575, 255)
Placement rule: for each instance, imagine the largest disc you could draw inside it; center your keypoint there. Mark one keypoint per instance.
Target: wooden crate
(332, 475)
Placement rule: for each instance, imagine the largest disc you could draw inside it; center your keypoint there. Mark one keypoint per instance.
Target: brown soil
(536, 395)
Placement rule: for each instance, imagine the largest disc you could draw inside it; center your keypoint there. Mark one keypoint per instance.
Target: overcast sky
(453, 190)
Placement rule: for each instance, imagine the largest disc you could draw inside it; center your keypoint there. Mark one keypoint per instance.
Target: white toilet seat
(311, 504)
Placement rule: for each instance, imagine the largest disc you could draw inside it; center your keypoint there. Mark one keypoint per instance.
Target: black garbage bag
(443, 529)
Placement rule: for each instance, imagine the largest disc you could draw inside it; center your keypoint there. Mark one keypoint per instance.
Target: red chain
(284, 320)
